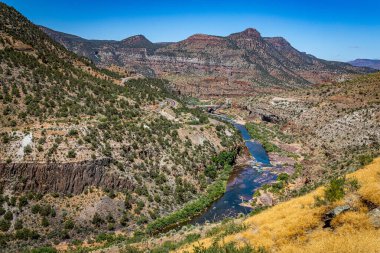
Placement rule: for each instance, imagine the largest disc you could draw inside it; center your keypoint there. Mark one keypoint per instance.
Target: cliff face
(205, 65)
(67, 178)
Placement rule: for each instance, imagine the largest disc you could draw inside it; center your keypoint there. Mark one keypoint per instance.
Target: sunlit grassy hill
(297, 225)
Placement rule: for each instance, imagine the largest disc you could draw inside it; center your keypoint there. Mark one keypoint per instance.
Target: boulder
(329, 216)
(374, 216)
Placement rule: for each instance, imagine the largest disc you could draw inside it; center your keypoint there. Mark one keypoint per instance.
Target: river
(242, 183)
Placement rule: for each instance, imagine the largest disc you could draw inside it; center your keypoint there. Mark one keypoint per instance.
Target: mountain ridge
(369, 63)
(209, 65)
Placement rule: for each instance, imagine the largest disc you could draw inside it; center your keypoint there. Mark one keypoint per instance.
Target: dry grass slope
(296, 225)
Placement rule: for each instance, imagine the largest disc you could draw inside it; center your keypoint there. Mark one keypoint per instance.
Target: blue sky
(333, 30)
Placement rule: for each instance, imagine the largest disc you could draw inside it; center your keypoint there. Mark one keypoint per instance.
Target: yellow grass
(296, 225)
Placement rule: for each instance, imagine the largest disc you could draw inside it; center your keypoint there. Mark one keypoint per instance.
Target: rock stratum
(64, 178)
(207, 65)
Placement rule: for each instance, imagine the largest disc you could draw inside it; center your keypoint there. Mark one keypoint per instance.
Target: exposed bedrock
(66, 178)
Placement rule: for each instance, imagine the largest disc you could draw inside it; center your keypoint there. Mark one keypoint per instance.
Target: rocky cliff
(67, 178)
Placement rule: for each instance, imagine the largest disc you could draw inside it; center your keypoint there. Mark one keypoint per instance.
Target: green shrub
(73, 132)
(44, 250)
(228, 248)
(97, 220)
(365, 159)
(45, 222)
(69, 224)
(335, 190)
(28, 149)
(8, 215)
(18, 224)
(25, 234)
(71, 154)
(22, 201)
(5, 225)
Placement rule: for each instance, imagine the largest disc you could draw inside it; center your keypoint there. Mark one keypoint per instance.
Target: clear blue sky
(329, 29)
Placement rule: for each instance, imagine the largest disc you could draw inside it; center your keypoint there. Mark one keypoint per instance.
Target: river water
(242, 183)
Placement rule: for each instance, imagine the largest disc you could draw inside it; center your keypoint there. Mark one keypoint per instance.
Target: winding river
(242, 183)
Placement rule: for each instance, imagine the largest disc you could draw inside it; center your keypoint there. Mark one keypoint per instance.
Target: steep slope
(205, 65)
(81, 152)
(375, 64)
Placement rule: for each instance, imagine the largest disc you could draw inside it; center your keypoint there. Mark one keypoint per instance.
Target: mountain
(83, 153)
(374, 64)
(206, 65)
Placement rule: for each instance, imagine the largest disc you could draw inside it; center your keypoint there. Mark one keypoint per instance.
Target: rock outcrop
(67, 178)
(329, 216)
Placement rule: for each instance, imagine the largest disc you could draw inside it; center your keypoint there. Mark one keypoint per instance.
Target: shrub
(8, 215)
(45, 222)
(27, 149)
(335, 190)
(69, 224)
(18, 224)
(22, 201)
(365, 159)
(44, 250)
(227, 248)
(5, 225)
(36, 209)
(73, 132)
(283, 177)
(97, 220)
(71, 154)
(25, 234)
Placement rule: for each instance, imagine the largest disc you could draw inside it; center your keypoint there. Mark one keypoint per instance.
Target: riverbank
(225, 161)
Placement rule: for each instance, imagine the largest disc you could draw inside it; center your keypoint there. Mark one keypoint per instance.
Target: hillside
(332, 127)
(301, 224)
(375, 64)
(84, 153)
(206, 65)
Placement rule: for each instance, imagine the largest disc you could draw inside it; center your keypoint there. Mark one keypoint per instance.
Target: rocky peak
(249, 33)
(137, 41)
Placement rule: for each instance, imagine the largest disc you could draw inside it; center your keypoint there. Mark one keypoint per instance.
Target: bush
(283, 177)
(25, 234)
(365, 159)
(335, 190)
(28, 149)
(44, 250)
(97, 220)
(73, 132)
(18, 224)
(22, 201)
(69, 224)
(71, 154)
(5, 225)
(227, 248)
(45, 222)
(8, 216)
